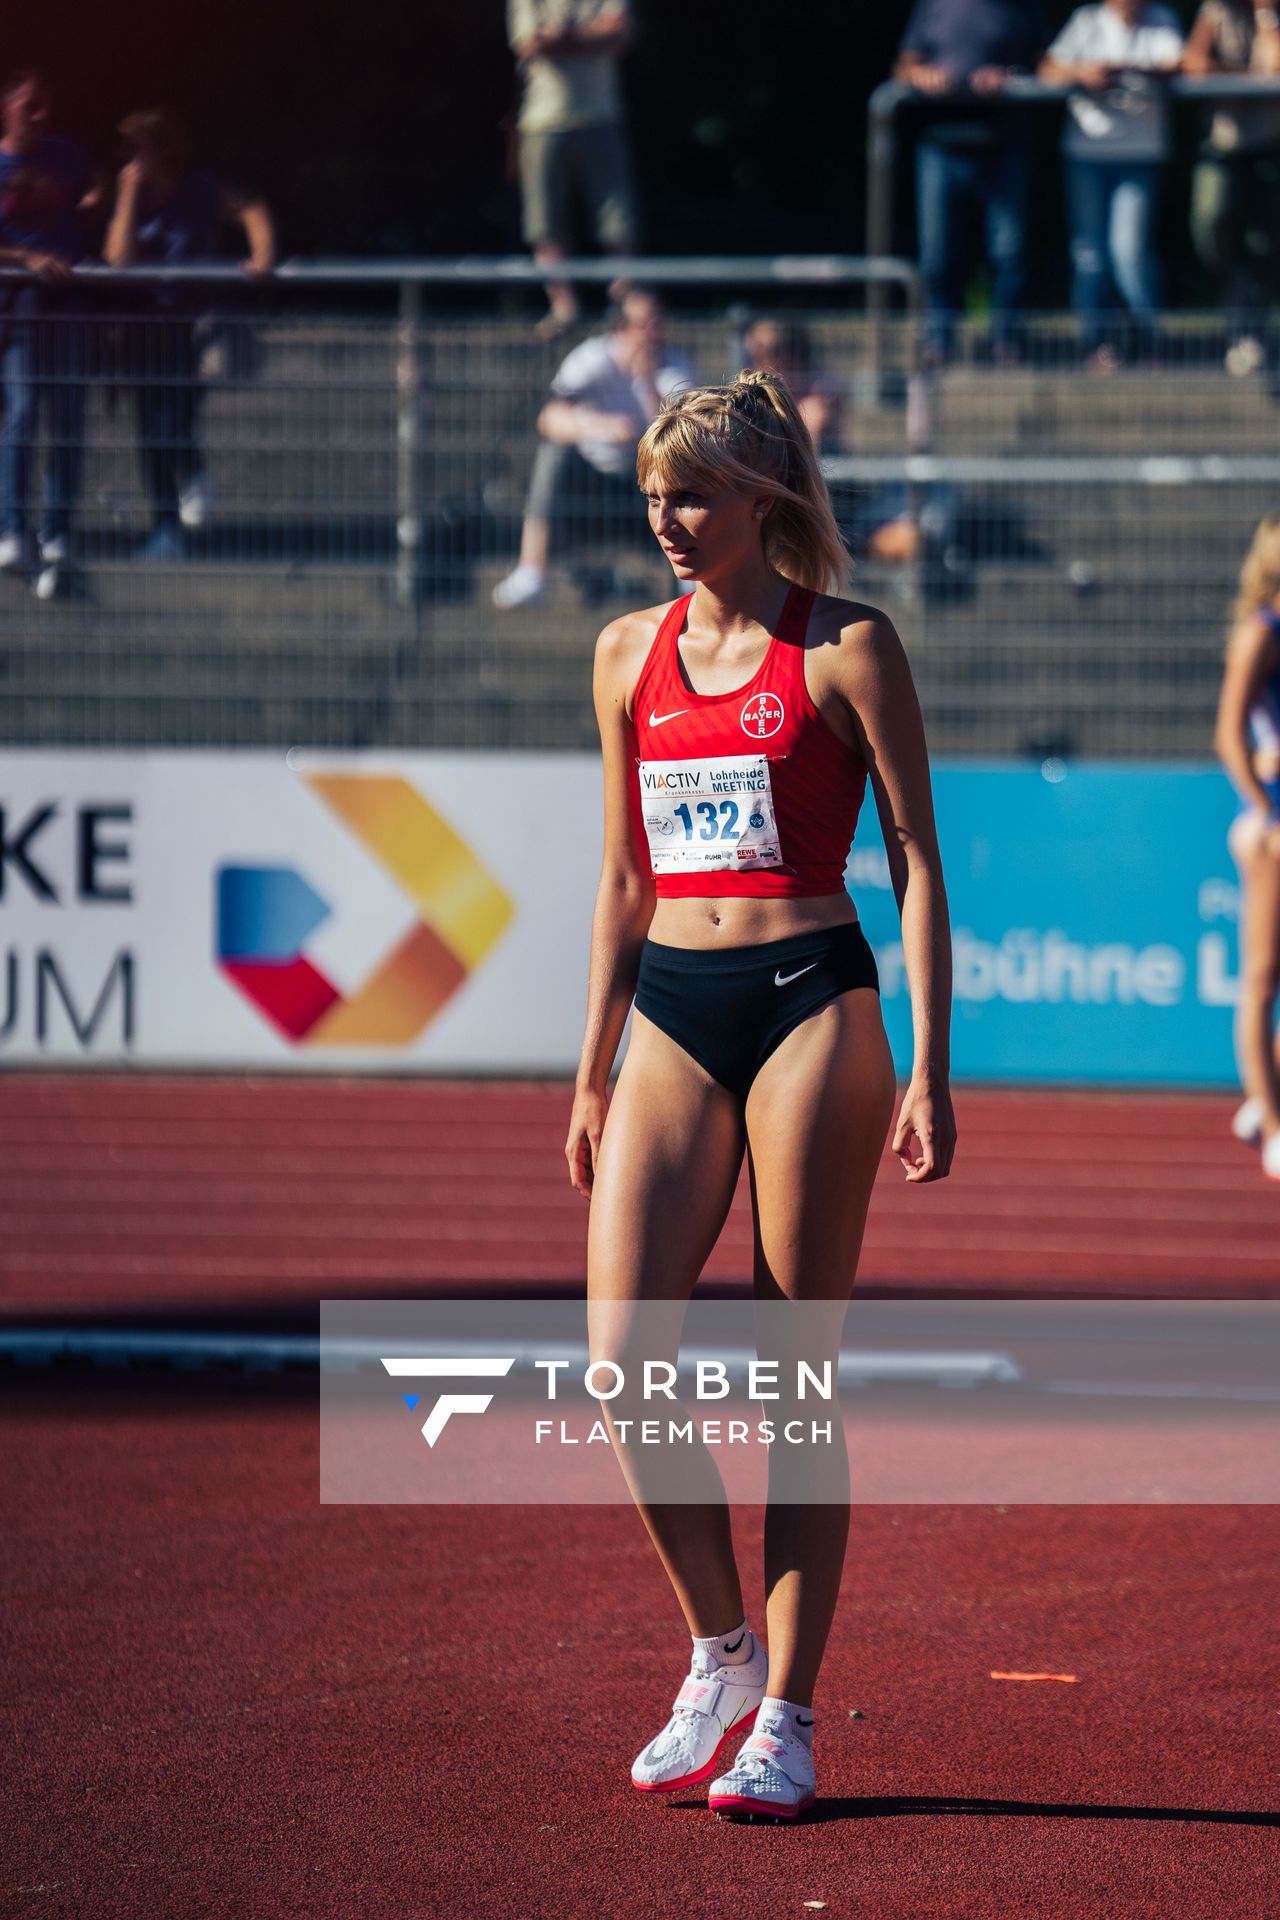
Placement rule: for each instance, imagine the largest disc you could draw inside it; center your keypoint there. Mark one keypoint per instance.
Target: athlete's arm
(625, 897)
(1250, 657)
(874, 679)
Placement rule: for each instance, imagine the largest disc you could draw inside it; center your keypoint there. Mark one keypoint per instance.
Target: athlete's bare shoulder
(623, 647)
(1254, 637)
(839, 621)
(850, 640)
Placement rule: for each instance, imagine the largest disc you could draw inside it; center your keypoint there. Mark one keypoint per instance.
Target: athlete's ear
(761, 505)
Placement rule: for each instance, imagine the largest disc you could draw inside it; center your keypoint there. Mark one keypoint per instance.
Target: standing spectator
(167, 213)
(1116, 142)
(973, 157)
(45, 182)
(571, 134)
(602, 398)
(1235, 189)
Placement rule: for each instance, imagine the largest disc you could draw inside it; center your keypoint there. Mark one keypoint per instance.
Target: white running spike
(773, 1775)
(714, 1705)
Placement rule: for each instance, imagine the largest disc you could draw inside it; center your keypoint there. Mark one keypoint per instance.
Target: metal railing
(412, 278)
(1058, 551)
(892, 96)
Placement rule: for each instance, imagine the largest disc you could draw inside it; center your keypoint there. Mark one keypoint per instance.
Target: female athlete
(1248, 744)
(739, 726)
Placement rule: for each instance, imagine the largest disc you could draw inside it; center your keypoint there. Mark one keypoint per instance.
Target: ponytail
(751, 435)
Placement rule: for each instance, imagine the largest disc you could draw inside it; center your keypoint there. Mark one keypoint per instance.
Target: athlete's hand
(582, 1148)
(925, 1137)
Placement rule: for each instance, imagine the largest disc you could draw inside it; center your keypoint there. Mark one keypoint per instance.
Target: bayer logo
(762, 715)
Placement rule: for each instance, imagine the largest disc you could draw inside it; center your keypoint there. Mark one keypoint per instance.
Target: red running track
(227, 1700)
(169, 1194)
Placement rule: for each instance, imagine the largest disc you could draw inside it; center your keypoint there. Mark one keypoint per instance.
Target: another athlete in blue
(1247, 740)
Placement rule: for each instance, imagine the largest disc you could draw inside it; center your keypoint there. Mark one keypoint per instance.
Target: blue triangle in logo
(410, 1400)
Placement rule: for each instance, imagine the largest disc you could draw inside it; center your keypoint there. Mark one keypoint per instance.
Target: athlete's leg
(669, 1160)
(817, 1116)
(1259, 968)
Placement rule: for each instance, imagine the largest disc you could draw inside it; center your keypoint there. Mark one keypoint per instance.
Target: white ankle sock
(732, 1649)
(785, 1717)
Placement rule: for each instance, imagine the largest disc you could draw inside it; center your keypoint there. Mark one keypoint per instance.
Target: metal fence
(289, 519)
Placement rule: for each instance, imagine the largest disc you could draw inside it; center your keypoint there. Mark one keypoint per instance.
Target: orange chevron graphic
(464, 910)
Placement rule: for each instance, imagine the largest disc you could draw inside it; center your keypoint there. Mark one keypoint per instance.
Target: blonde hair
(751, 435)
(1260, 574)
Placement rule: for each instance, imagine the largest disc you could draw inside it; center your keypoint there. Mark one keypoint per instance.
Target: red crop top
(746, 792)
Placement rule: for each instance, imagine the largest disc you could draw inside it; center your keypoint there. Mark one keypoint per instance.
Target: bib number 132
(703, 815)
(718, 822)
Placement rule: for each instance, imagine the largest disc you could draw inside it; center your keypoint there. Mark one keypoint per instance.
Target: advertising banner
(402, 912)
(1094, 916)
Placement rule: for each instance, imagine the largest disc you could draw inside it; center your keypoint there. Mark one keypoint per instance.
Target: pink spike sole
(765, 1810)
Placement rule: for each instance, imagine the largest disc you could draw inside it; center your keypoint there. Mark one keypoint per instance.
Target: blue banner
(1094, 917)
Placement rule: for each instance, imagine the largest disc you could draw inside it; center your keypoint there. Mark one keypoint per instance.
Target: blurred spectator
(784, 347)
(1235, 189)
(571, 132)
(604, 395)
(1116, 142)
(167, 213)
(973, 157)
(874, 520)
(45, 183)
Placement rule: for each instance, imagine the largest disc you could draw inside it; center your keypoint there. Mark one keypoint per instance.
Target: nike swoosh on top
(785, 979)
(656, 719)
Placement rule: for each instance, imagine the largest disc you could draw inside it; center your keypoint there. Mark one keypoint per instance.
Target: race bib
(709, 814)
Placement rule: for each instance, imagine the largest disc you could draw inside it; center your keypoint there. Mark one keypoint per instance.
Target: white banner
(315, 911)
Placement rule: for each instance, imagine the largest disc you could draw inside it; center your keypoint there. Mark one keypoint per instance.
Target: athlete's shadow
(888, 1805)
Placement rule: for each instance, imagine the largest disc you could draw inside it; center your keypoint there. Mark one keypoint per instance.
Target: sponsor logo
(266, 915)
(784, 979)
(657, 719)
(756, 820)
(679, 777)
(762, 715)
